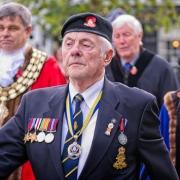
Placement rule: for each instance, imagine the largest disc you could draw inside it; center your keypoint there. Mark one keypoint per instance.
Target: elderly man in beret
(91, 128)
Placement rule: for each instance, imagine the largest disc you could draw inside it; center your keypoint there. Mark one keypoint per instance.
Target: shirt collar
(132, 62)
(89, 94)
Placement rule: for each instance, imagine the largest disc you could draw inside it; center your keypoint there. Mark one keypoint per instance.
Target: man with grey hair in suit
(136, 66)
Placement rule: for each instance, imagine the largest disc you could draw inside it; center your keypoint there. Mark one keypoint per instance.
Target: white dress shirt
(9, 66)
(87, 136)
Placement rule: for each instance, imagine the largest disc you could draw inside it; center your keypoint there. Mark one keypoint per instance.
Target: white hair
(106, 45)
(130, 20)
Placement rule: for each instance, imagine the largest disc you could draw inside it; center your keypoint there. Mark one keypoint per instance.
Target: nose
(121, 39)
(75, 51)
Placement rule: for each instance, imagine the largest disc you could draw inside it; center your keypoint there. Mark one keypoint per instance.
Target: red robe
(50, 75)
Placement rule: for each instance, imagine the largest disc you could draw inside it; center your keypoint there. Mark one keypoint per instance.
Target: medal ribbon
(121, 125)
(52, 125)
(38, 120)
(69, 114)
(31, 124)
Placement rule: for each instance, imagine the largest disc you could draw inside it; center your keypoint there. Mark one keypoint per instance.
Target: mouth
(123, 48)
(76, 65)
(4, 42)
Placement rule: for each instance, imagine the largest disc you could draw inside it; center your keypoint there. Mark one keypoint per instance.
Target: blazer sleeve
(151, 146)
(12, 147)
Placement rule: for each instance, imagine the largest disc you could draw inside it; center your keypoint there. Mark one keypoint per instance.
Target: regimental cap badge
(90, 21)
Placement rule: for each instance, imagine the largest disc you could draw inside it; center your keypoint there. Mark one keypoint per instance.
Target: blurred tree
(52, 13)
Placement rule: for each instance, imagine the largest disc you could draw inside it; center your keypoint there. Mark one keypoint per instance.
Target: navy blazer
(145, 143)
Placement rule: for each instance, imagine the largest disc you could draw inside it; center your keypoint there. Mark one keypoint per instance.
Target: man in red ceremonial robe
(22, 68)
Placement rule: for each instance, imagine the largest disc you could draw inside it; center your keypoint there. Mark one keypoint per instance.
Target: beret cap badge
(90, 21)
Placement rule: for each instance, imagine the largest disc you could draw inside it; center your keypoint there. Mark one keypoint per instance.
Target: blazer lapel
(101, 142)
(56, 110)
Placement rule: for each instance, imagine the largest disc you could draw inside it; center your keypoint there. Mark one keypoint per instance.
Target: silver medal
(122, 138)
(74, 150)
(41, 137)
(49, 138)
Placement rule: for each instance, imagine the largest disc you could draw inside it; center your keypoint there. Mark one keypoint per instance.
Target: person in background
(58, 55)
(22, 67)
(136, 66)
(91, 128)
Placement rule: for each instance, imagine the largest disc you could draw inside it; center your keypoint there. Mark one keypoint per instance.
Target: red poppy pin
(134, 70)
(90, 21)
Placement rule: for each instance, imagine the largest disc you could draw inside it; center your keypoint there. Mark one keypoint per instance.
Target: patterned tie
(70, 165)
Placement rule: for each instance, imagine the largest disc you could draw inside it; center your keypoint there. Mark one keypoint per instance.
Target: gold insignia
(33, 137)
(120, 159)
(75, 125)
(26, 137)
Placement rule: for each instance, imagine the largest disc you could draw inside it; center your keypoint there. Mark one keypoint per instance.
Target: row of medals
(23, 83)
(40, 137)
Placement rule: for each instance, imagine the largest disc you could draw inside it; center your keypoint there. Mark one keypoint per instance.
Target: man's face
(82, 56)
(13, 34)
(127, 42)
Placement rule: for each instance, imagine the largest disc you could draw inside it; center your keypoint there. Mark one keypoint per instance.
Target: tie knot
(78, 98)
(127, 66)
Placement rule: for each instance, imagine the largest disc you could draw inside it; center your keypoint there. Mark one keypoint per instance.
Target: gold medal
(120, 159)
(33, 137)
(27, 137)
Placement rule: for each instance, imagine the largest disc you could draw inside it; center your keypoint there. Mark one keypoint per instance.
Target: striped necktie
(70, 165)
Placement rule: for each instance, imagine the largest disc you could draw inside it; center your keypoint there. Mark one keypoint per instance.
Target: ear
(140, 35)
(28, 30)
(108, 57)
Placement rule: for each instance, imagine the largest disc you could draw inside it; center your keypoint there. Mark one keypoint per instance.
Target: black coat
(154, 74)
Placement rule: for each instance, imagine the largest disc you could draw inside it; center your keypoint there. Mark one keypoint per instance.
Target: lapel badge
(110, 127)
(122, 138)
(134, 70)
(120, 159)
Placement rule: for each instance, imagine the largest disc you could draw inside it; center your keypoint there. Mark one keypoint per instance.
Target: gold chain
(28, 77)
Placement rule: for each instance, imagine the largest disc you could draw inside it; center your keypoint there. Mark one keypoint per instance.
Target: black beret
(88, 22)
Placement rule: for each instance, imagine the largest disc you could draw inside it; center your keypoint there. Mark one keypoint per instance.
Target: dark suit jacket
(142, 130)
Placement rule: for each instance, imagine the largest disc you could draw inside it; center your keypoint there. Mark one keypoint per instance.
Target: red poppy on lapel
(134, 70)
